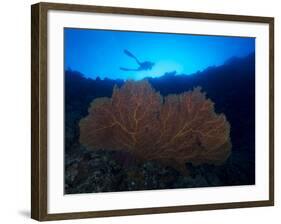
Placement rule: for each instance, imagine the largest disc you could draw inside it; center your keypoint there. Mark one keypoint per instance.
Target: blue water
(100, 53)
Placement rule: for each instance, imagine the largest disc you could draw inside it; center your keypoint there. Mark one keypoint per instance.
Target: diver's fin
(128, 53)
(128, 69)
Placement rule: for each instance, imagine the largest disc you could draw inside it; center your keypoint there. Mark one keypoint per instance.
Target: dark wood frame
(39, 110)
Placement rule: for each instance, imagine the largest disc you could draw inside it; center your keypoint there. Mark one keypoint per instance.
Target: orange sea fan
(175, 130)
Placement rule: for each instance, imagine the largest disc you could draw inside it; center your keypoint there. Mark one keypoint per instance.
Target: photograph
(155, 111)
(140, 111)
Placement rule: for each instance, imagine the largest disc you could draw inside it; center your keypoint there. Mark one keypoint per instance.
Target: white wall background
(15, 111)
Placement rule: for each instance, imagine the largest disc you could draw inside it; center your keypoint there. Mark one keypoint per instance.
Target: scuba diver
(143, 66)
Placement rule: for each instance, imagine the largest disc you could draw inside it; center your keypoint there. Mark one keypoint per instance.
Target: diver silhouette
(143, 66)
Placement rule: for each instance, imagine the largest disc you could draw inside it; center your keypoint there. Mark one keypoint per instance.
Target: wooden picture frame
(39, 109)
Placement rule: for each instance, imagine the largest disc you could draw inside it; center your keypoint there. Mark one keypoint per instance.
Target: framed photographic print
(138, 111)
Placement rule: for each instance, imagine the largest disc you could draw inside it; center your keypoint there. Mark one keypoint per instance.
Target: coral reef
(89, 171)
(174, 130)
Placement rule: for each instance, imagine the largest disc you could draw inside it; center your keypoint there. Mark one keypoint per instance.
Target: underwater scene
(150, 111)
